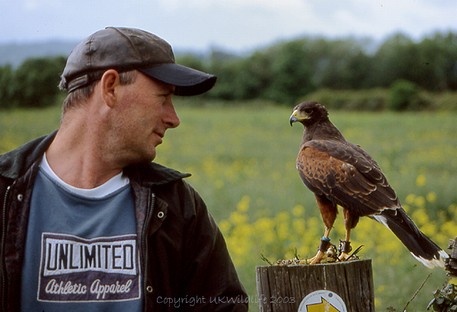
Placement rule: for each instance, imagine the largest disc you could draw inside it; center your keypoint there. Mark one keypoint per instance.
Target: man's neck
(78, 158)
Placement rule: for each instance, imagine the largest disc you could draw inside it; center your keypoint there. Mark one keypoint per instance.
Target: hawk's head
(308, 113)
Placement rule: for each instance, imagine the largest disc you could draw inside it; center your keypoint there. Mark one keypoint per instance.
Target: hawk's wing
(347, 175)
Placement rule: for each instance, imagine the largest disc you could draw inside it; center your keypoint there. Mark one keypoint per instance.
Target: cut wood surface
(282, 288)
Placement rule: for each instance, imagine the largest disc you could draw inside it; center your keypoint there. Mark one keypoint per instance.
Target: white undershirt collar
(112, 185)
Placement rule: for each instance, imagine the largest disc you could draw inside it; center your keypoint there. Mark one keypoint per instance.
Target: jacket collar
(154, 174)
(16, 162)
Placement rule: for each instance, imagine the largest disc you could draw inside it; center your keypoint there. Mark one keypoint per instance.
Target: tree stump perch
(451, 262)
(282, 288)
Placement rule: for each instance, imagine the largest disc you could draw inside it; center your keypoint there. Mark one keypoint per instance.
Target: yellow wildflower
(421, 180)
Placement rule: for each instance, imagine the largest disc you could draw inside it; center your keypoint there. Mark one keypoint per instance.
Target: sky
(235, 25)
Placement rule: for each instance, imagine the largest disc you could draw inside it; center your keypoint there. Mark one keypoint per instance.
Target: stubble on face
(139, 122)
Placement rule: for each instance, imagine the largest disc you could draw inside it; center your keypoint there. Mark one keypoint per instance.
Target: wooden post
(443, 299)
(283, 288)
(451, 262)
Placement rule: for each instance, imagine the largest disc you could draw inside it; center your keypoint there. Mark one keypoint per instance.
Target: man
(89, 223)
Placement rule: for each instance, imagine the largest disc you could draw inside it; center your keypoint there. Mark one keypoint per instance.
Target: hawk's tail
(420, 246)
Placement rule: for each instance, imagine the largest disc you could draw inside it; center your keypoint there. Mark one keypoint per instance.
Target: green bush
(379, 99)
(35, 82)
(6, 87)
(406, 96)
(366, 100)
(446, 101)
(32, 84)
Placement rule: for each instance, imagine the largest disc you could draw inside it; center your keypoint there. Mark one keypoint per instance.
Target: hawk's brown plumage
(341, 173)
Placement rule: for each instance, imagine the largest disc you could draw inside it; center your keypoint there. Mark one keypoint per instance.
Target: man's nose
(170, 116)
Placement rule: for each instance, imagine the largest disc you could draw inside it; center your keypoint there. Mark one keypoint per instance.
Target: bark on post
(283, 288)
(451, 262)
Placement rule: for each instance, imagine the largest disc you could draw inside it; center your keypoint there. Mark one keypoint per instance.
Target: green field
(243, 164)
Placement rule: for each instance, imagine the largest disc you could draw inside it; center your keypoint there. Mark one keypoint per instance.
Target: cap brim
(188, 81)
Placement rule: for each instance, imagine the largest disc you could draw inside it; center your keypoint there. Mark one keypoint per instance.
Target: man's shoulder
(154, 173)
(15, 162)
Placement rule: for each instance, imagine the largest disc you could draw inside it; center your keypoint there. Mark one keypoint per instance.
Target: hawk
(342, 174)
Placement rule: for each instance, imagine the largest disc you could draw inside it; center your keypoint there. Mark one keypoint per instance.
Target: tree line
(32, 84)
(284, 72)
(287, 71)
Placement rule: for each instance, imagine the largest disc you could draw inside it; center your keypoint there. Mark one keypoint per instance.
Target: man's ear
(109, 82)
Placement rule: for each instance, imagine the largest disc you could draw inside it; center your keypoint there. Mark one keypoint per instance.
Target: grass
(231, 150)
(21, 125)
(243, 164)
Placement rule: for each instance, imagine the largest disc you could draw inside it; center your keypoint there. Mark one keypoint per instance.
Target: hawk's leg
(350, 221)
(328, 212)
(345, 248)
(323, 247)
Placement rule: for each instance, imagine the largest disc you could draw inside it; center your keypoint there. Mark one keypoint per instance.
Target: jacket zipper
(2, 247)
(147, 220)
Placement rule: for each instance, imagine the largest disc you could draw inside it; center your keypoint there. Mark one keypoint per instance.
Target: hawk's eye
(308, 110)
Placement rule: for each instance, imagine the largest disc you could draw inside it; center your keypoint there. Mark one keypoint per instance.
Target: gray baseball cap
(126, 49)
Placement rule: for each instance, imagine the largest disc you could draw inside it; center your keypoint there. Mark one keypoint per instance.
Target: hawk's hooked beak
(294, 117)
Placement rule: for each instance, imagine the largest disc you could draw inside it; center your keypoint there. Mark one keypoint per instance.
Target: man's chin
(144, 158)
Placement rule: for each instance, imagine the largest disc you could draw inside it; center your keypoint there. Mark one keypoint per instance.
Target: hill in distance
(15, 53)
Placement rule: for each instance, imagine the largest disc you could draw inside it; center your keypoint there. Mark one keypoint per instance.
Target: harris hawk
(340, 173)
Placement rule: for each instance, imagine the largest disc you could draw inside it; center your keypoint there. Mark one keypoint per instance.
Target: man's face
(145, 112)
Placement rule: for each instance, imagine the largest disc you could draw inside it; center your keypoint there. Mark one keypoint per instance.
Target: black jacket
(184, 259)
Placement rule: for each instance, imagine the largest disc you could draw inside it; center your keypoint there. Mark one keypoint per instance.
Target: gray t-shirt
(81, 250)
